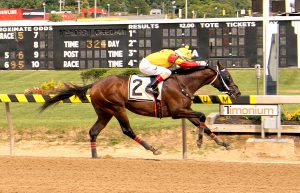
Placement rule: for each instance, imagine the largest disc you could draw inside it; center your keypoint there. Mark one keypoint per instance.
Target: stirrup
(150, 90)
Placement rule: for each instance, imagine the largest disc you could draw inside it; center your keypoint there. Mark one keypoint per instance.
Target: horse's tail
(79, 91)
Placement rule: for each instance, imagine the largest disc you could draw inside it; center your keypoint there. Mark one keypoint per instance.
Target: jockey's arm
(192, 64)
(189, 64)
(181, 62)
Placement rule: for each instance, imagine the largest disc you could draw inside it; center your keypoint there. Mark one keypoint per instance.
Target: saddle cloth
(137, 85)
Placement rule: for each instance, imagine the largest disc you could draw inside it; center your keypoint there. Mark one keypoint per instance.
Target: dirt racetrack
(44, 167)
(53, 174)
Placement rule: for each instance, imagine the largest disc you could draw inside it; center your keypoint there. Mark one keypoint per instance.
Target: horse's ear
(220, 65)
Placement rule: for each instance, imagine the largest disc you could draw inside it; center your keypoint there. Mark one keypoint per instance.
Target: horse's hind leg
(125, 126)
(103, 119)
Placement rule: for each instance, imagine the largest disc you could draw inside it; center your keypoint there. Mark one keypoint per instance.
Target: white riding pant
(151, 69)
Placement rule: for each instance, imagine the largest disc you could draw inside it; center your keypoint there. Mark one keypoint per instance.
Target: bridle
(219, 75)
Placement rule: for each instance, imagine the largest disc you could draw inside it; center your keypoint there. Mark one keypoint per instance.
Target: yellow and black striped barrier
(247, 99)
(201, 99)
(224, 99)
(37, 98)
(198, 99)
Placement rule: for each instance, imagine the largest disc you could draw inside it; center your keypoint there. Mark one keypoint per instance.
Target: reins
(214, 79)
(184, 92)
(187, 94)
(221, 77)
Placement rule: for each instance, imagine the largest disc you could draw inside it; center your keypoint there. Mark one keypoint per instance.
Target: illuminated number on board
(20, 35)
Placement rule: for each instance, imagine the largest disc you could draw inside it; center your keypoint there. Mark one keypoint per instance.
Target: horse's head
(224, 82)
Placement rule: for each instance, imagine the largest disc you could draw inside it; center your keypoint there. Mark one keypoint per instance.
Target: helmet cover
(184, 53)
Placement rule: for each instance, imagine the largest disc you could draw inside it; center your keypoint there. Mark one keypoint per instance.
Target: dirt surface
(62, 166)
(35, 174)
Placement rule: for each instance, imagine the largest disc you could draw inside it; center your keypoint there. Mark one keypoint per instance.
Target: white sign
(262, 110)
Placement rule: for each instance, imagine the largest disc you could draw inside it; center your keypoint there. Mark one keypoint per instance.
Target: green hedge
(55, 17)
(97, 73)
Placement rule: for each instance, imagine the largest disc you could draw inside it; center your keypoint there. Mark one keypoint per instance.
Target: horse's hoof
(227, 146)
(94, 155)
(199, 144)
(156, 152)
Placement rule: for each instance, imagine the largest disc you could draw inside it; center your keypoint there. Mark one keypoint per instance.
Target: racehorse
(109, 97)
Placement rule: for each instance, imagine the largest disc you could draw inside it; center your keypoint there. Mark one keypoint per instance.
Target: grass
(66, 117)
(18, 81)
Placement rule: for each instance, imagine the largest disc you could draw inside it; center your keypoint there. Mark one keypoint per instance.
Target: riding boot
(152, 87)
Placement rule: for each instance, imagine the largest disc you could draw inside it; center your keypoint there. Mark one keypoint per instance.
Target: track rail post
(11, 129)
(184, 148)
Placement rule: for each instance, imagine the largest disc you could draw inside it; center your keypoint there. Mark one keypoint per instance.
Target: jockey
(158, 64)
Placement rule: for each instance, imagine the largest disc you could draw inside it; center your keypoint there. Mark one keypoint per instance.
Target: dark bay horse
(109, 97)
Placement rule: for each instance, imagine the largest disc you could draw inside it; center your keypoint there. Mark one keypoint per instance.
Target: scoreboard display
(26, 47)
(78, 45)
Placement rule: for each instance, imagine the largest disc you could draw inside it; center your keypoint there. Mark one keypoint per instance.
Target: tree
(51, 5)
(211, 8)
(115, 5)
(139, 6)
(92, 3)
(71, 5)
(85, 4)
(33, 4)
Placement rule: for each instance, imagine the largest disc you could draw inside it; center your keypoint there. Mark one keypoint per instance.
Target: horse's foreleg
(102, 121)
(215, 138)
(202, 127)
(126, 129)
(197, 123)
(200, 137)
(200, 123)
(200, 118)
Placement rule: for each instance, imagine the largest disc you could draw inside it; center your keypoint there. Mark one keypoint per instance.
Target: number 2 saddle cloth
(137, 85)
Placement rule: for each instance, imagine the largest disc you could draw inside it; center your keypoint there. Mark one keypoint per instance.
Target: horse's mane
(186, 71)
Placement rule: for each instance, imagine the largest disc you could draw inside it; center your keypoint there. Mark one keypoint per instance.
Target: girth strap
(158, 108)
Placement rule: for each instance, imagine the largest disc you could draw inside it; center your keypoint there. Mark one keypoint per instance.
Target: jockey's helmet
(184, 53)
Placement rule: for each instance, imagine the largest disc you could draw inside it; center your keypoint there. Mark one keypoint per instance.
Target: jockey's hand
(202, 63)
